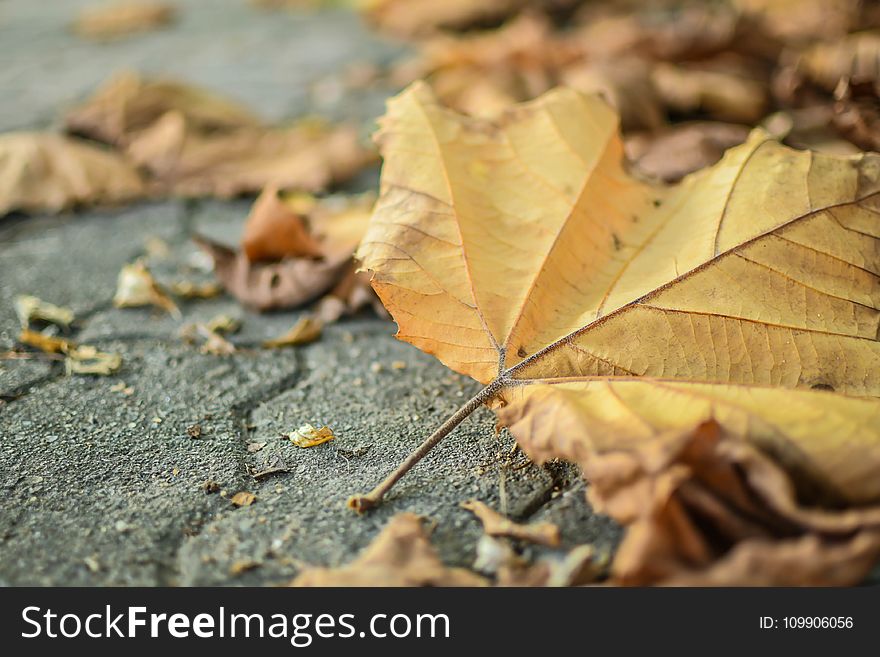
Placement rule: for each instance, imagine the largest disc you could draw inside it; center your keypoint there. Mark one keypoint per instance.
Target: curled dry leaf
(603, 310)
(401, 555)
(307, 329)
(702, 507)
(309, 436)
(128, 104)
(335, 225)
(31, 309)
(136, 288)
(671, 154)
(184, 160)
(263, 286)
(43, 172)
(83, 359)
(495, 524)
(121, 19)
(273, 230)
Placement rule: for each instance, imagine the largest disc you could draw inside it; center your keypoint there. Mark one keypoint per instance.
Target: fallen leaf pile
(605, 313)
(191, 142)
(684, 76)
(165, 138)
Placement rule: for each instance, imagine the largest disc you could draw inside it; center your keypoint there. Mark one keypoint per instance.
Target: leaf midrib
(540, 354)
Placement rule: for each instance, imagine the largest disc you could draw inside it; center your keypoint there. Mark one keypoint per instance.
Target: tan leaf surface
(401, 555)
(612, 310)
(43, 172)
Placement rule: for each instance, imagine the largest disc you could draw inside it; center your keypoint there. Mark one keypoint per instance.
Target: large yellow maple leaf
(603, 310)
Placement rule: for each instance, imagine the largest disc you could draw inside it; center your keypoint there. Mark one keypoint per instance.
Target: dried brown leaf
(495, 524)
(705, 507)
(263, 286)
(274, 230)
(335, 225)
(43, 172)
(128, 104)
(187, 161)
(401, 555)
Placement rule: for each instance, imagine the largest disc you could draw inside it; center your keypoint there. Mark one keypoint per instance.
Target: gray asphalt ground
(100, 487)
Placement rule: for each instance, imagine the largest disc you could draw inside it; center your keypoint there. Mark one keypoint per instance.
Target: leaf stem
(362, 503)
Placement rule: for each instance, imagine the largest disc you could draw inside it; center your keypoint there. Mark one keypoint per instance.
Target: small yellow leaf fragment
(30, 308)
(224, 324)
(84, 359)
(495, 524)
(306, 330)
(136, 287)
(309, 436)
(192, 290)
(243, 566)
(398, 365)
(122, 388)
(216, 345)
(243, 498)
(46, 343)
(88, 360)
